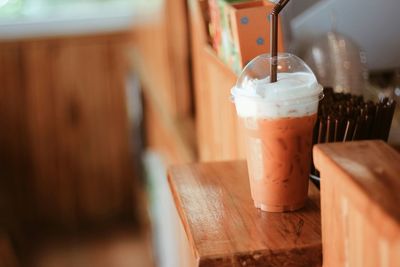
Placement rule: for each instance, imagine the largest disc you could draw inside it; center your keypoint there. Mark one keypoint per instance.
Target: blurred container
(387, 85)
(338, 62)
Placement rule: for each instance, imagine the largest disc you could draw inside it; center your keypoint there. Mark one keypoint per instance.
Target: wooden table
(224, 229)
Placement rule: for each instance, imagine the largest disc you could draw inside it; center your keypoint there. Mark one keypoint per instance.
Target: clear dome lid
(295, 80)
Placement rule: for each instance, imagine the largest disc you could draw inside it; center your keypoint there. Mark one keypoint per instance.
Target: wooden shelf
(223, 228)
(218, 134)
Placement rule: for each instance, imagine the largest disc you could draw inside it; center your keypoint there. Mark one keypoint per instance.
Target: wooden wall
(64, 133)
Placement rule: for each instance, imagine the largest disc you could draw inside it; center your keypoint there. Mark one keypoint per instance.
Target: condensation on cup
(278, 120)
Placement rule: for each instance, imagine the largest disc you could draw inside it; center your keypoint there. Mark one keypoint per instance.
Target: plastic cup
(278, 120)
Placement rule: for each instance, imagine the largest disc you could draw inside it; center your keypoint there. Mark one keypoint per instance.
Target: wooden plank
(224, 229)
(162, 59)
(179, 56)
(360, 199)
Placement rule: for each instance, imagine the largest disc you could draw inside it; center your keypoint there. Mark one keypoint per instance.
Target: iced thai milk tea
(279, 154)
(278, 120)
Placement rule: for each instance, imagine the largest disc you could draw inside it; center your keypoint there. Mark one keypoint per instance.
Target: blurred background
(99, 97)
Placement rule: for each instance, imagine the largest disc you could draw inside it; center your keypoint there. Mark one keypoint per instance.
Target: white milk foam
(293, 95)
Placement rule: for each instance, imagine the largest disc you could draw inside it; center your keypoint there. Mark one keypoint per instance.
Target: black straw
(274, 38)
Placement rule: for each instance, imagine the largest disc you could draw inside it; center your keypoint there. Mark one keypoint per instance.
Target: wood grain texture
(224, 229)
(218, 133)
(360, 199)
(66, 131)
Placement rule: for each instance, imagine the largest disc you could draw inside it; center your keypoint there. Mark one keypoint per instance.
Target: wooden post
(360, 203)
